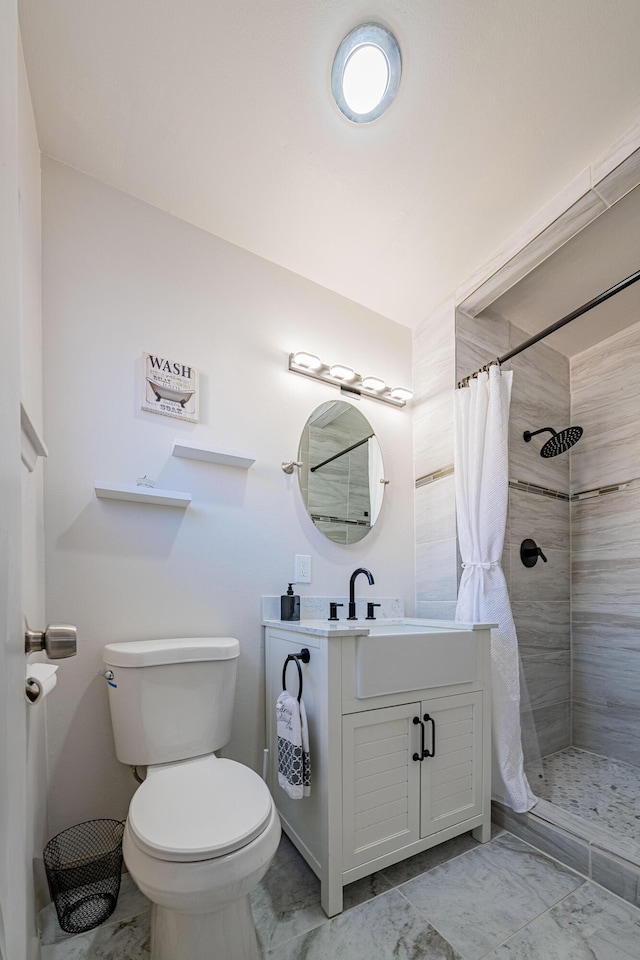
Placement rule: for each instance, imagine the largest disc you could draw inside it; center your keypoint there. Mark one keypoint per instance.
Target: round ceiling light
(366, 72)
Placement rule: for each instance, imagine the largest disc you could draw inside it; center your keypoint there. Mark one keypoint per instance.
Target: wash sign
(169, 387)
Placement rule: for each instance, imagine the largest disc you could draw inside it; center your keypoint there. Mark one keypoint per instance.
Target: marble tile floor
(459, 901)
(124, 936)
(593, 787)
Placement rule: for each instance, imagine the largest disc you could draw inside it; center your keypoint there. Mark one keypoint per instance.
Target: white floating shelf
(198, 451)
(32, 445)
(118, 491)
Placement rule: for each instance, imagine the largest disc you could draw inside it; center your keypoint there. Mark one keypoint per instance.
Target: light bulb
(340, 372)
(401, 393)
(365, 78)
(307, 360)
(373, 383)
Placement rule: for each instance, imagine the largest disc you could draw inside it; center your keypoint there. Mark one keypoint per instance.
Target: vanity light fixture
(350, 382)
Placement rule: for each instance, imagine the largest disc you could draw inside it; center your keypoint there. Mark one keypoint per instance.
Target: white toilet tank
(171, 699)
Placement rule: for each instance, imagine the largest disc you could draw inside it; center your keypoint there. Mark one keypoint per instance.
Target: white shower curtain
(482, 493)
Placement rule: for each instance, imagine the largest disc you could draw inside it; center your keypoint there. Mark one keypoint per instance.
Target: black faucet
(352, 590)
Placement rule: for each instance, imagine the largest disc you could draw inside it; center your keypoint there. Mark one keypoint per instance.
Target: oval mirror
(342, 472)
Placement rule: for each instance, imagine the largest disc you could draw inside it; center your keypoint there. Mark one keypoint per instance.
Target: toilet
(201, 830)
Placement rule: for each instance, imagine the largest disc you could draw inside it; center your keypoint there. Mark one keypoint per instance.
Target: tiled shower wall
(605, 383)
(434, 349)
(538, 505)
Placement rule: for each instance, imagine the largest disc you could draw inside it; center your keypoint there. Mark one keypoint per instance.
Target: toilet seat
(198, 809)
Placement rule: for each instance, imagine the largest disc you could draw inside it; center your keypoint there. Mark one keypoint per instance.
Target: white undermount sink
(402, 655)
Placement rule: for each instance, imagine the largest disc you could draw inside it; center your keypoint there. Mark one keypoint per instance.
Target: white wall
(120, 278)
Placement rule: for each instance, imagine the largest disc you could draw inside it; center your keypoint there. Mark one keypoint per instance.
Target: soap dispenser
(290, 605)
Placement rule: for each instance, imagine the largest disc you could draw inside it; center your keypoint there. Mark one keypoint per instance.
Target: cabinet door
(451, 785)
(381, 782)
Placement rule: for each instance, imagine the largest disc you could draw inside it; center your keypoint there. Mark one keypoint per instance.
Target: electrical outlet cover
(303, 569)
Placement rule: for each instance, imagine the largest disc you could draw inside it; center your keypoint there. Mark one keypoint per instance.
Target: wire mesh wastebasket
(83, 866)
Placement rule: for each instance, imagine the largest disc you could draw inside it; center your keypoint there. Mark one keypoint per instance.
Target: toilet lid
(198, 809)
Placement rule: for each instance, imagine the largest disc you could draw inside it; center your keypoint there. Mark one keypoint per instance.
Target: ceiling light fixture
(350, 382)
(366, 72)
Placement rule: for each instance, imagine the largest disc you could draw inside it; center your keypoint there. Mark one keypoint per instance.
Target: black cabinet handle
(419, 756)
(432, 753)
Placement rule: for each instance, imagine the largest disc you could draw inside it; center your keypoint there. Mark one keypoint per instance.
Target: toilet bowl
(199, 837)
(201, 830)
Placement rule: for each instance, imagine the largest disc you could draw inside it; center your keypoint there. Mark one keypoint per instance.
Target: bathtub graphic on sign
(169, 387)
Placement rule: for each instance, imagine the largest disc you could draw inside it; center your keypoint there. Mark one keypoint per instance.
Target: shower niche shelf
(165, 498)
(190, 450)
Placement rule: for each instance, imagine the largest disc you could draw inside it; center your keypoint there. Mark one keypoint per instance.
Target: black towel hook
(305, 656)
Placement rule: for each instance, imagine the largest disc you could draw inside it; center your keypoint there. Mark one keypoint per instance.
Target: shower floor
(592, 787)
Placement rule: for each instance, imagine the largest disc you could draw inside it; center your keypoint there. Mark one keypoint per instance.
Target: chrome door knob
(59, 640)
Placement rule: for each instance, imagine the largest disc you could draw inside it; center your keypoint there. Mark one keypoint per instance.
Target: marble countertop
(320, 628)
(348, 628)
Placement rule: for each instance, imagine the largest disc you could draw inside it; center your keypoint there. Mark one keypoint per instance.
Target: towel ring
(305, 656)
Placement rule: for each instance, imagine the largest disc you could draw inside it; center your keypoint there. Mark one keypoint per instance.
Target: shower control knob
(529, 553)
(58, 641)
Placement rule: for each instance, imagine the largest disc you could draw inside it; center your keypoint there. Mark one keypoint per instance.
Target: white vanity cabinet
(392, 773)
(391, 797)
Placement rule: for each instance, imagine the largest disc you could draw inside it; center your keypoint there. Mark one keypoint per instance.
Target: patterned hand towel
(293, 747)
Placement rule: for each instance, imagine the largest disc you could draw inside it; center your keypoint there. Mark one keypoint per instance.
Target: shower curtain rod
(611, 292)
(341, 454)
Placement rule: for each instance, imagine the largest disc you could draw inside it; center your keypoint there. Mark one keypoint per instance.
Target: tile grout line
(425, 919)
(590, 844)
(546, 910)
(457, 856)
(519, 929)
(326, 920)
(535, 919)
(266, 948)
(551, 857)
(390, 890)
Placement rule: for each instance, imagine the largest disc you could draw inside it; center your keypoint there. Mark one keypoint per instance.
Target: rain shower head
(559, 442)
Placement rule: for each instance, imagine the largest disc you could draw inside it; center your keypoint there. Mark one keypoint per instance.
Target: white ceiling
(605, 252)
(219, 111)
